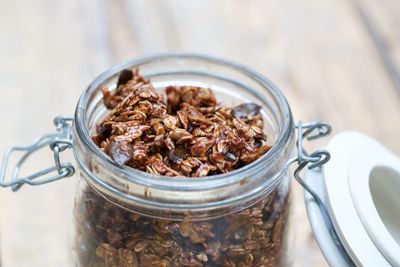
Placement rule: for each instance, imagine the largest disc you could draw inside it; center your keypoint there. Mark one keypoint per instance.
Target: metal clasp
(58, 142)
(316, 159)
(311, 131)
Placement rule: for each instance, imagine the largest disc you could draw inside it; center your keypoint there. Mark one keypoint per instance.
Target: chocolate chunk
(124, 76)
(246, 110)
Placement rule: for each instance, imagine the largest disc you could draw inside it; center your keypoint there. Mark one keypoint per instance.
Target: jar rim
(157, 181)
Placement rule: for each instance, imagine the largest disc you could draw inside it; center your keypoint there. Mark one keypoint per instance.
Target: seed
(230, 157)
(186, 228)
(140, 246)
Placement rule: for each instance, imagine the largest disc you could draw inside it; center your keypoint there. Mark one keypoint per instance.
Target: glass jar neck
(167, 197)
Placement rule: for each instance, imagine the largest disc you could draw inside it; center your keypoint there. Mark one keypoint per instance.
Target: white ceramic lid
(360, 187)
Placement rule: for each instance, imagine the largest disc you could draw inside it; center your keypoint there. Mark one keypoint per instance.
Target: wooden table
(335, 60)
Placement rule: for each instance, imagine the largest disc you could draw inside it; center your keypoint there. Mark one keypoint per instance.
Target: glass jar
(126, 217)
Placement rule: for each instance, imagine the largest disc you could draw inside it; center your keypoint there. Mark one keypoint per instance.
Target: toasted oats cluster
(115, 237)
(190, 134)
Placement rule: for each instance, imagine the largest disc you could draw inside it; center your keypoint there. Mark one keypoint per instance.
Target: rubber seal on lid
(347, 181)
(374, 180)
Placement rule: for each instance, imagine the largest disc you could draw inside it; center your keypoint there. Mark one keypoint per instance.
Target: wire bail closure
(58, 143)
(312, 131)
(316, 159)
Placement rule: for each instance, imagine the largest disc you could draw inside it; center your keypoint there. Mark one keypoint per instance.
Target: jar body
(125, 217)
(107, 234)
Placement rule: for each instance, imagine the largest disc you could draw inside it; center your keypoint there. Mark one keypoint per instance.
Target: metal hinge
(58, 142)
(316, 159)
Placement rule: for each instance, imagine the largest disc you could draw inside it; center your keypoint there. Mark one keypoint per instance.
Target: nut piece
(120, 152)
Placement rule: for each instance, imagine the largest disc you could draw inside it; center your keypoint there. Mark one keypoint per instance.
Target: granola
(112, 236)
(184, 133)
(189, 135)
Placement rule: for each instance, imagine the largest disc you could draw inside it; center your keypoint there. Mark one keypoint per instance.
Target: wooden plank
(381, 20)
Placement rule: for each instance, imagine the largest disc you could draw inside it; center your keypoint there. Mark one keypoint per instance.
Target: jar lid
(359, 187)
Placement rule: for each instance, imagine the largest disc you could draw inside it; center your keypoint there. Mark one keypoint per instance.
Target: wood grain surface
(335, 60)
